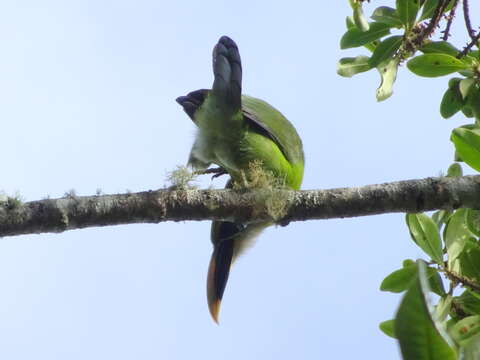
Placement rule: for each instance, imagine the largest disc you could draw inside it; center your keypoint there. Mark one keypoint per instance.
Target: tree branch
(450, 17)
(463, 280)
(467, 48)
(76, 212)
(466, 16)
(435, 20)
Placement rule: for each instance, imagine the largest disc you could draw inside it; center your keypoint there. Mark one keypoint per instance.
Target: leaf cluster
(448, 329)
(396, 35)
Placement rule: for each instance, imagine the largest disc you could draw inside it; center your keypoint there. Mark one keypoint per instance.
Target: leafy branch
(416, 23)
(449, 329)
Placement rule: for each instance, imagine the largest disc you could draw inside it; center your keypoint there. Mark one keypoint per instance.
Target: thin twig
(451, 16)
(467, 48)
(427, 31)
(437, 16)
(468, 24)
(462, 280)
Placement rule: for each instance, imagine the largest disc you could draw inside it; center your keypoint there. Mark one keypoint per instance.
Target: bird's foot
(217, 172)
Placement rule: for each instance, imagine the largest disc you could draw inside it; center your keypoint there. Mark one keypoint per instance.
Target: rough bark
(75, 212)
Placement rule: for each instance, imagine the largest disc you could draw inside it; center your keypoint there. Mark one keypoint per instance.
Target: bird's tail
(227, 69)
(229, 241)
(219, 270)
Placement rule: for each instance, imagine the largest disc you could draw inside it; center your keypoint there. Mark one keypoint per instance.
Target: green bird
(235, 131)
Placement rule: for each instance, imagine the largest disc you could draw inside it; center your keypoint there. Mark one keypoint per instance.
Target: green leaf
(471, 349)
(452, 102)
(441, 217)
(465, 329)
(407, 11)
(468, 302)
(385, 50)
(467, 145)
(453, 82)
(360, 20)
(371, 46)
(443, 307)
(456, 156)
(355, 37)
(349, 23)
(433, 65)
(435, 281)
(465, 85)
(439, 47)
(454, 170)
(407, 262)
(386, 15)
(467, 111)
(467, 73)
(470, 261)
(388, 73)
(471, 60)
(399, 280)
(428, 9)
(473, 127)
(421, 337)
(473, 100)
(347, 67)
(388, 327)
(455, 236)
(424, 232)
(473, 221)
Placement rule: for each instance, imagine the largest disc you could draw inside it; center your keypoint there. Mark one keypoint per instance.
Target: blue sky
(87, 93)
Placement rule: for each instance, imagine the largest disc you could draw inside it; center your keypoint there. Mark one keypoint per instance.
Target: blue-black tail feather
(227, 69)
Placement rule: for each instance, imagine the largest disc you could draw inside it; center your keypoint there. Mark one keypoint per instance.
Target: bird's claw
(220, 173)
(217, 172)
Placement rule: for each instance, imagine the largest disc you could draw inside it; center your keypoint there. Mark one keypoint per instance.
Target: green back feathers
(276, 126)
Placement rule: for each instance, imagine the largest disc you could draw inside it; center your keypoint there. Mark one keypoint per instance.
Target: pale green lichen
(275, 202)
(257, 177)
(11, 202)
(70, 194)
(276, 205)
(10, 208)
(181, 178)
(64, 220)
(211, 202)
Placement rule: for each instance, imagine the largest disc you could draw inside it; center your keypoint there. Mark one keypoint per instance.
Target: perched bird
(234, 131)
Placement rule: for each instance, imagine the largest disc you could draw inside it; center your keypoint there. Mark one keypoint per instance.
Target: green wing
(265, 119)
(275, 126)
